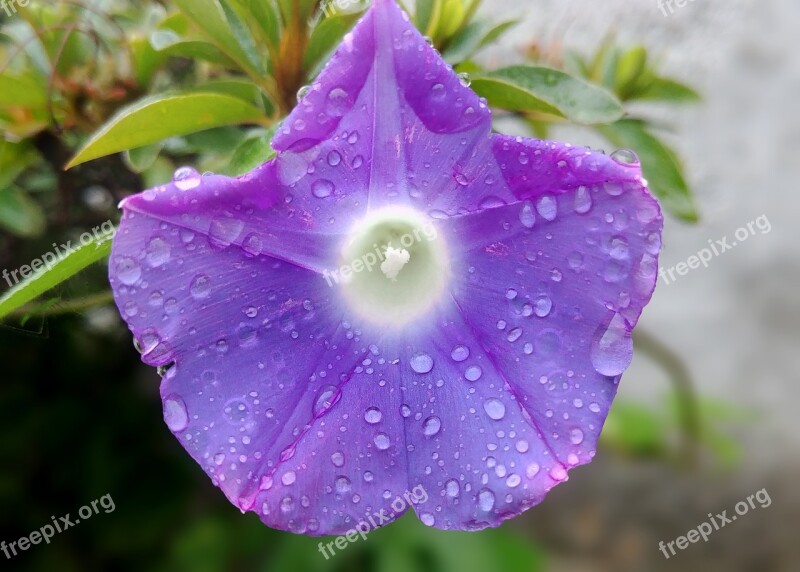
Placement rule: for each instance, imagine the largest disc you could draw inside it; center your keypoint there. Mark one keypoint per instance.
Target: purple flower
(399, 299)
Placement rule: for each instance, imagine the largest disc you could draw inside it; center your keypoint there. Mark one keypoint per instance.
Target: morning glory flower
(400, 299)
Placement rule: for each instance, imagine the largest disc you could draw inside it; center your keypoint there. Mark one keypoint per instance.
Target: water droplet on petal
(473, 373)
(612, 349)
(494, 408)
(322, 188)
(486, 500)
(421, 363)
(328, 397)
(625, 157)
(452, 488)
(175, 414)
(465, 79)
(542, 306)
(128, 271)
(201, 287)
(186, 179)
(431, 426)
(381, 441)
(547, 207)
(459, 353)
(337, 459)
(303, 92)
(583, 200)
(427, 519)
(373, 415)
(526, 216)
(576, 436)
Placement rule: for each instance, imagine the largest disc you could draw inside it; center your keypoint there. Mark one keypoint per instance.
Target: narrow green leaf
(266, 17)
(210, 17)
(539, 89)
(43, 275)
(14, 159)
(472, 38)
(665, 89)
(24, 90)
(157, 118)
(254, 150)
(630, 67)
(169, 43)
(20, 214)
(142, 158)
(659, 166)
(423, 13)
(325, 37)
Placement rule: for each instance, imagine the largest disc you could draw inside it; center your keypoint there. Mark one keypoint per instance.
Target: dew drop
(473, 373)
(186, 179)
(373, 415)
(526, 216)
(625, 157)
(322, 188)
(583, 200)
(452, 488)
(612, 349)
(459, 353)
(486, 500)
(200, 287)
(421, 363)
(542, 306)
(381, 441)
(128, 271)
(494, 408)
(547, 207)
(576, 436)
(175, 414)
(431, 426)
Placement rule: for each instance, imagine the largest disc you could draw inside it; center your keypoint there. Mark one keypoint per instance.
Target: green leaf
(472, 38)
(14, 159)
(169, 43)
(210, 17)
(20, 214)
(160, 117)
(453, 14)
(634, 430)
(47, 275)
(664, 89)
(424, 10)
(325, 37)
(254, 150)
(24, 90)
(142, 158)
(266, 17)
(659, 166)
(630, 67)
(545, 90)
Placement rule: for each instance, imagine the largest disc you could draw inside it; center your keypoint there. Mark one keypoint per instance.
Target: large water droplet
(421, 363)
(576, 436)
(328, 397)
(175, 414)
(201, 287)
(625, 157)
(465, 79)
(186, 179)
(542, 306)
(431, 426)
(473, 373)
(381, 441)
(547, 207)
(612, 349)
(526, 216)
(158, 252)
(494, 408)
(486, 500)
(373, 415)
(322, 188)
(459, 353)
(452, 488)
(128, 271)
(583, 200)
